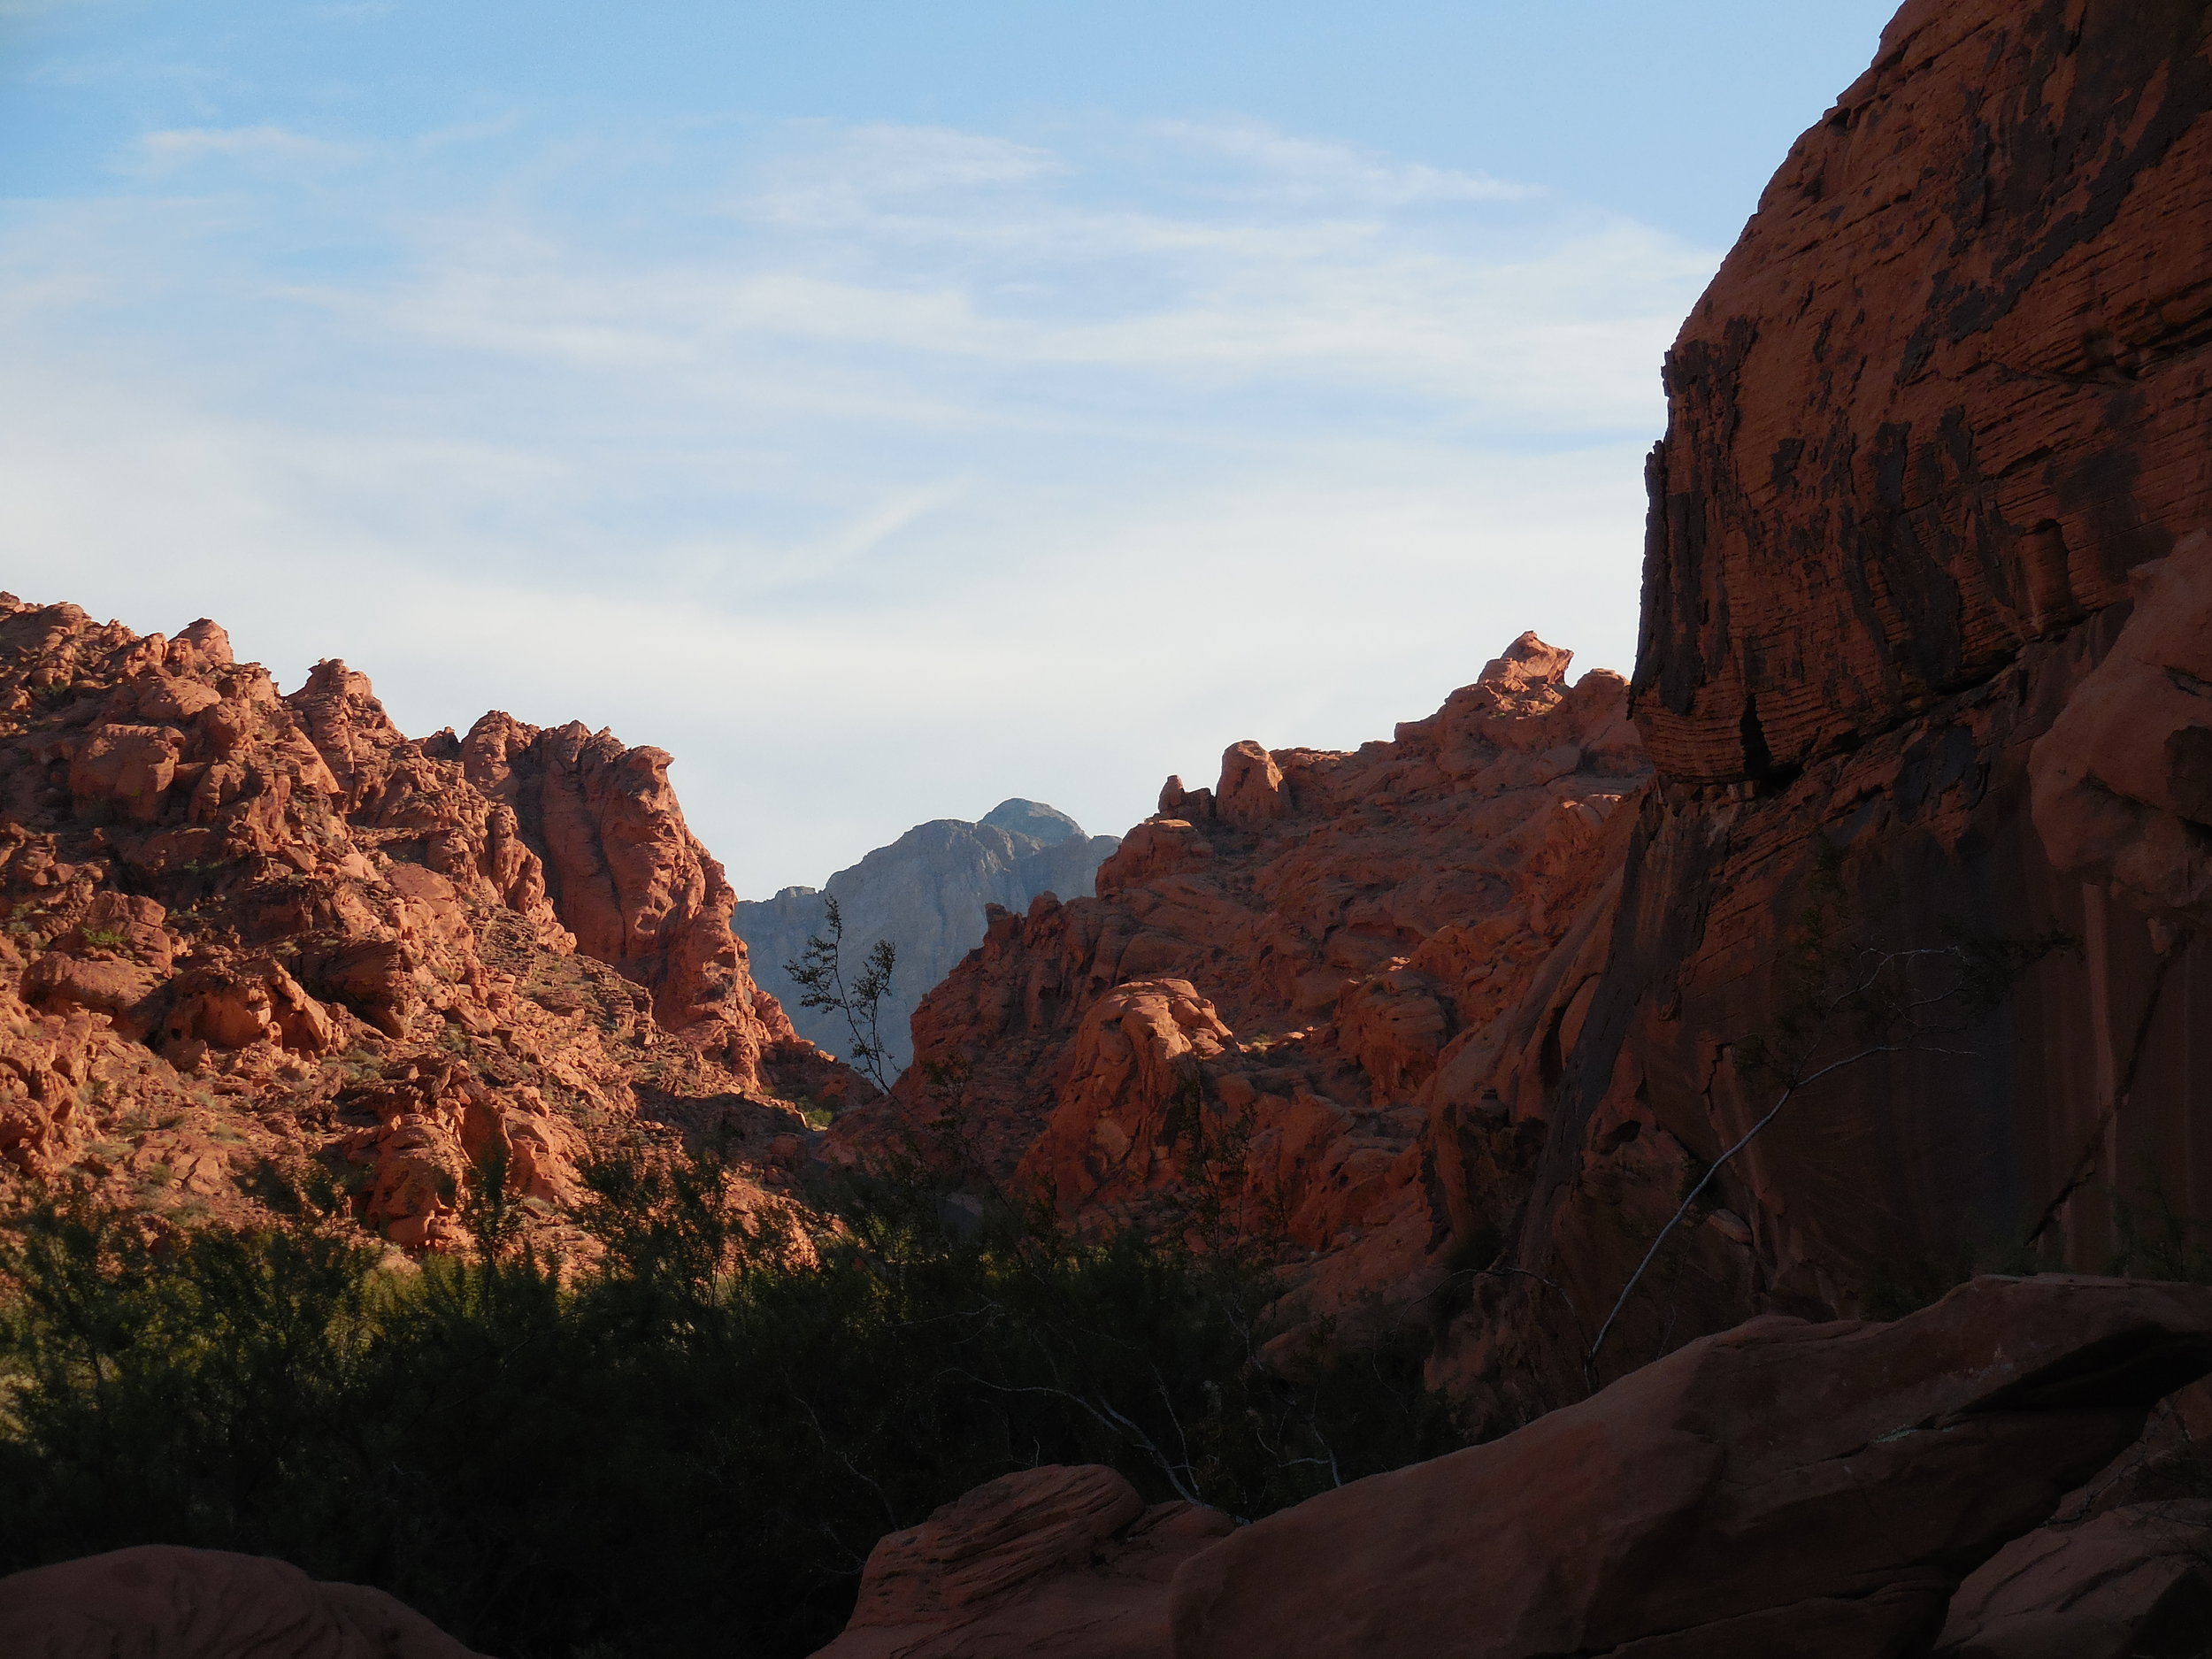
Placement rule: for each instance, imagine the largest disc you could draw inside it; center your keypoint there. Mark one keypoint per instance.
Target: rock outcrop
(1850, 1489)
(1279, 976)
(927, 892)
(1052, 1562)
(242, 927)
(1782, 1487)
(163, 1603)
(1922, 670)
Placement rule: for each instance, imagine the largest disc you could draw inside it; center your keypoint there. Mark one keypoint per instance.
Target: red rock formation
(1785, 1487)
(2130, 1580)
(241, 926)
(1923, 651)
(1277, 972)
(1050, 1564)
(1848, 1490)
(157, 1600)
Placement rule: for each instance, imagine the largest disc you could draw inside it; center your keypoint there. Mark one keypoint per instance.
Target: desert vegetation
(682, 1440)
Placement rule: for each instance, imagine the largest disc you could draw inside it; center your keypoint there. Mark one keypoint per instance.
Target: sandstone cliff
(1926, 599)
(927, 893)
(242, 927)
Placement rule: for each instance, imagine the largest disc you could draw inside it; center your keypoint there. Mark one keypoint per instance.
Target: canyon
(1921, 691)
(1669, 1061)
(1889, 947)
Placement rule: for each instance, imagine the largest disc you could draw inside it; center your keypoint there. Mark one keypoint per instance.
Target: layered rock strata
(240, 926)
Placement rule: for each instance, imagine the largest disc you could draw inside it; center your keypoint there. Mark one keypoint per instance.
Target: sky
(886, 408)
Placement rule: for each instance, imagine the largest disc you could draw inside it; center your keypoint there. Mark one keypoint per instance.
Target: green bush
(687, 1447)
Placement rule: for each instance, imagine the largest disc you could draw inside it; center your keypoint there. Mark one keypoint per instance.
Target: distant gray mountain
(925, 894)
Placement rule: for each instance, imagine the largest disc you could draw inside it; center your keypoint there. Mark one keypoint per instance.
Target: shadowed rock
(1782, 1487)
(157, 1602)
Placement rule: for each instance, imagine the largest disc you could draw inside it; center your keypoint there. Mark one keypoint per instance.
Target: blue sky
(885, 408)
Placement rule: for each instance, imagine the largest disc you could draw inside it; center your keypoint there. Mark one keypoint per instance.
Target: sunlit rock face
(243, 926)
(1283, 980)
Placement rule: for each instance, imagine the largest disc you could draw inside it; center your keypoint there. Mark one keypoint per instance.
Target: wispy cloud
(180, 147)
(855, 171)
(879, 472)
(1293, 169)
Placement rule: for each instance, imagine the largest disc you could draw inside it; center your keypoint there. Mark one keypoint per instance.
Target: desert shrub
(687, 1447)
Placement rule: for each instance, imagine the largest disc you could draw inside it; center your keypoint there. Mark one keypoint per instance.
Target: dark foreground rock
(157, 1602)
(1838, 1489)
(1053, 1563)
(1785, 1487)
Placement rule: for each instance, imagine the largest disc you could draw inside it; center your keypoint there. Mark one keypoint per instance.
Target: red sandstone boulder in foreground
(1783, 1487)
(1053, 1563)
(157, 1602)
(1818, 1491)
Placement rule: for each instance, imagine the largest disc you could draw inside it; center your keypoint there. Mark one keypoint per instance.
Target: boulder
(2134, 1582)
(1786, 1487)
(159, 1601)
(1053, 1563)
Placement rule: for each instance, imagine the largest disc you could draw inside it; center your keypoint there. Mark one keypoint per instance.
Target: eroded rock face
(1783, 1487)
(1284, 977)
(2122, 783)
(241, 926)
(1923, 654)
(205, 1604)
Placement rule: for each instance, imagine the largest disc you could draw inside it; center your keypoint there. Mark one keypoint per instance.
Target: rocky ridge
(244, 927)
(1277, 975)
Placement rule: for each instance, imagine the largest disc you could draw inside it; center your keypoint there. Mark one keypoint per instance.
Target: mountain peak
(1048, 825)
